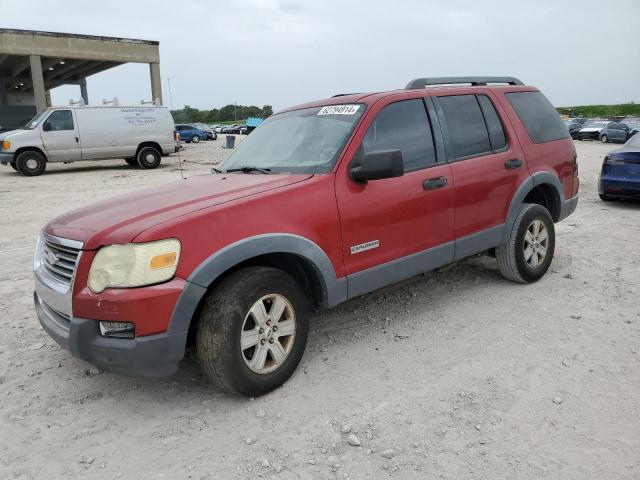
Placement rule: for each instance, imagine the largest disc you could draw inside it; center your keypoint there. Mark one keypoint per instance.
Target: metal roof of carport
(66, 57)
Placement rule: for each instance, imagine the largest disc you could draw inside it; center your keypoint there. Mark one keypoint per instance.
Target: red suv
(322, 203)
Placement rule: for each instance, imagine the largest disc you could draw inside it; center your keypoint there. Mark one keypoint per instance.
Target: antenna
(179, 146)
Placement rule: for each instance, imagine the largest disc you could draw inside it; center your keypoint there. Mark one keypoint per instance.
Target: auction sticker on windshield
(339, 110)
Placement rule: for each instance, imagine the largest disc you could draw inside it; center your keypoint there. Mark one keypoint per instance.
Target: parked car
(189, 133)
(620, 174)
(591, 129)
(573, 128)
(211, 134)
(219, 128)
(614, 132)
(579, 120)
(140, 134)
(370, 190)
(236, 129)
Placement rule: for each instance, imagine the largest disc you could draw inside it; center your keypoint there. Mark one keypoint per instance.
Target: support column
(47, 96)
(38, 82)
(156, 82)
(83, 91)
(3, 93)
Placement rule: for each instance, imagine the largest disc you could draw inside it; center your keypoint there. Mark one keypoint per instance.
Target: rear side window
(404, 126)
(467, 128)
(60, 120)
(494, 126)
(541, 120)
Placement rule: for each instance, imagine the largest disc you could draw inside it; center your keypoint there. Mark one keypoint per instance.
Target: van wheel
(528, 252)
(31, 163)
(604, 139)
(148, 157)
(13, 165)
(131, 161)
(195, 139)
(252, 331)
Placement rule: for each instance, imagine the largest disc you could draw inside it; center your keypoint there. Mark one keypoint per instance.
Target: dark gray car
(614, 132)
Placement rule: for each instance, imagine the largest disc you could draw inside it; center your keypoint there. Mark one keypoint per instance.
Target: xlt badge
(365, 246)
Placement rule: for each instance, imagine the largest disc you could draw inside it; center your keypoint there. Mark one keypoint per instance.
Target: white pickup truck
(139, 134)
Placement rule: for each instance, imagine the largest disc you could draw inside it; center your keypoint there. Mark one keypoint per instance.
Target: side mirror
(46, 127)
(377, 165)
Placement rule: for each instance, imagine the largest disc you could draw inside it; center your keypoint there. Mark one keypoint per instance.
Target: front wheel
(13, 165)
(528, 252)
(31, 163)
(604, 139)
(195, 139)
(252, 331)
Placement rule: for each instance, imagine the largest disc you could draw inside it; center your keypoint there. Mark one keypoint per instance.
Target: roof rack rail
(474, 81)
(344, 94)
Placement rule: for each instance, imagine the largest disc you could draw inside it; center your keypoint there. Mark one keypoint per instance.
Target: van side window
(405, 126)
(467, 128)
(494, 126)
(60, 120)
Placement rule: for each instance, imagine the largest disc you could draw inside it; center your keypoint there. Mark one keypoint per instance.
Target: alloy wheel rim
(268, 333)
(536, 243)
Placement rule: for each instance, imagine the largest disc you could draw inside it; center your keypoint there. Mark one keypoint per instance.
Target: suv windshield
(33, 123)
(301, 141)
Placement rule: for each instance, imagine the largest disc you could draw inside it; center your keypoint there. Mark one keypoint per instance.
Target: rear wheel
(528, 252)
(31, 163)
(131, 161)
(252, 331)
(195, 139)
(148, 157)
(605, 198)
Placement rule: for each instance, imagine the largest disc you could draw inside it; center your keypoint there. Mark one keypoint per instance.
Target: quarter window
(467, 128)
(60, 120)
(541, 120)
(497, 137)
(403, 126)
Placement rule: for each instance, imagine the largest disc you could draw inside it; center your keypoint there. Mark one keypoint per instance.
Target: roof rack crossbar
(474, 81)
(343, 94)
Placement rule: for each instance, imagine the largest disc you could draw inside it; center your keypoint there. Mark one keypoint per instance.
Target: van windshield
(33, 123)
(301, 141)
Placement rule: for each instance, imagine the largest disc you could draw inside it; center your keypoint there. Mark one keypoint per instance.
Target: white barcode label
(339, 110)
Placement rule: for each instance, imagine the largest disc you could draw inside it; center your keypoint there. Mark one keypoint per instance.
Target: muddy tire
(31, 163)
(252, 331)
(148, 157)
(528, 252)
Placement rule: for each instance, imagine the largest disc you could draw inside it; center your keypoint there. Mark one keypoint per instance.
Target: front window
(301, 141)
(595, 123)
(33, 123)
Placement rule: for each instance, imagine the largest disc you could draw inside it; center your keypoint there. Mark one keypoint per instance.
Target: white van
(140, 134)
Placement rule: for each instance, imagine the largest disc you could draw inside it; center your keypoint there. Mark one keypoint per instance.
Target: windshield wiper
(249, 170)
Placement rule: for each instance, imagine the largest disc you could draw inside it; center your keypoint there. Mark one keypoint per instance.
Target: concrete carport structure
(34, 62)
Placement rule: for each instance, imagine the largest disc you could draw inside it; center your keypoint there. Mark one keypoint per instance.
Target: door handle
(77, 140)
(433, 183)
(513, 163)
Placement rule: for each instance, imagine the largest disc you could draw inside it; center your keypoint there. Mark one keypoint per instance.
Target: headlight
(6, 144)
(134, 265)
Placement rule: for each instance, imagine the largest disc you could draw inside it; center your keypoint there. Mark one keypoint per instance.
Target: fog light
(117, 329)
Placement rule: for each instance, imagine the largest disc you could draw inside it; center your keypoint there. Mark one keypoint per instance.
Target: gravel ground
(456, 374)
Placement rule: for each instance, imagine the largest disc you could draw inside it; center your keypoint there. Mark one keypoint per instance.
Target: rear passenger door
(487, 165)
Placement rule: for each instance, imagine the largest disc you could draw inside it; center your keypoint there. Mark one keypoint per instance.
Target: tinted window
(404, 126)
(60, 120)
(541, 120)
(466, 125)
(494, 126)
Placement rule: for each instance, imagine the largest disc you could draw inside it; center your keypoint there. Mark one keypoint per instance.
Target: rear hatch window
(541, 120)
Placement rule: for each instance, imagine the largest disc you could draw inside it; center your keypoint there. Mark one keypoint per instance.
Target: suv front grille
(56, 261)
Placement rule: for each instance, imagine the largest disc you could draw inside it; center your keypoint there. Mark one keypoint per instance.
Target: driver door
(395, 228)
(60, 137)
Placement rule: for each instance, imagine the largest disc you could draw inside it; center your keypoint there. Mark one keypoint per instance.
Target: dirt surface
(457, 374)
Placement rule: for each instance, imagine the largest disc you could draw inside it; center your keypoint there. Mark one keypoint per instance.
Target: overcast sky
(284, 52)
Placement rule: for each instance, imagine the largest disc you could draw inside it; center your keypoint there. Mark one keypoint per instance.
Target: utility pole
(235, 110)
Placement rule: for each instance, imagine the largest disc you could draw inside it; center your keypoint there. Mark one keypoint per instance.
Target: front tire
(252, 331)
(604, 139)
(195, 139)
(528, 252)
(13, 165)
(31, 163)
(148, 158)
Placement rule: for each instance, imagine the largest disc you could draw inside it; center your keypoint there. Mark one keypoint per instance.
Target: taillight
(176, 136)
